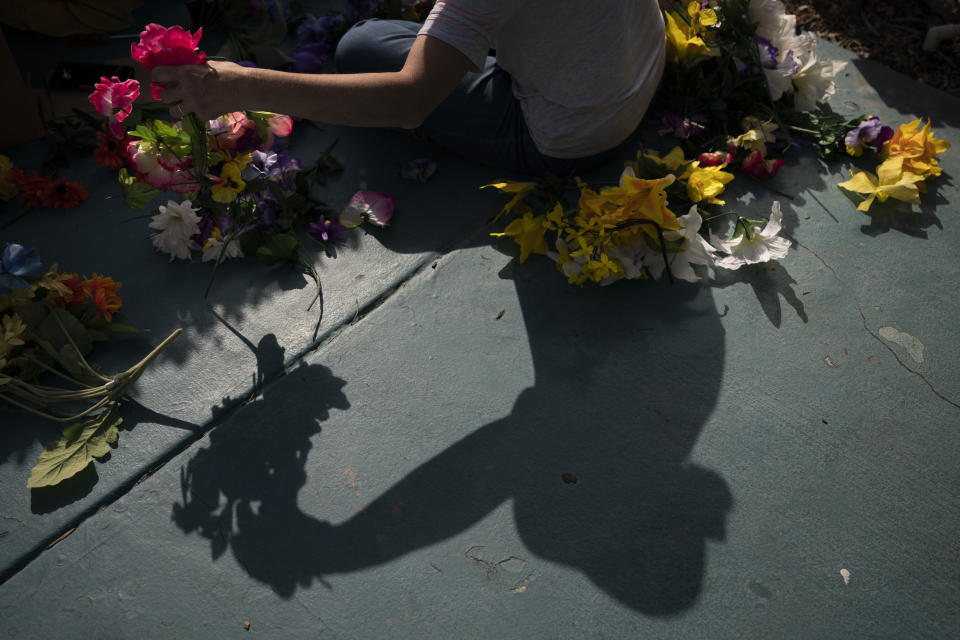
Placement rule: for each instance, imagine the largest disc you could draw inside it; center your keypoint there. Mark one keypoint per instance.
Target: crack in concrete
(874, 335)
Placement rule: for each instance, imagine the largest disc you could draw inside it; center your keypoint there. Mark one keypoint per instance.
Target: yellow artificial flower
(520, 190)
(706, 183)
(11, 333)
(527, 232)
(8, 188)
(644, 198)
(673, 161)
(917, 147)
(602, 268)
(683, 45)
(700, 19)
(232, 183)
(891, 181)
(756, 134)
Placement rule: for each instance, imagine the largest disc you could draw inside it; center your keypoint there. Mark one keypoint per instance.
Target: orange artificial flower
(102, 291)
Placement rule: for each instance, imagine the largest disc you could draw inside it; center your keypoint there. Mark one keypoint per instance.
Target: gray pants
(481, 120)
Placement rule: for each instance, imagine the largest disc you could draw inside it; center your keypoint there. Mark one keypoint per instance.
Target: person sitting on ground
(528, 85)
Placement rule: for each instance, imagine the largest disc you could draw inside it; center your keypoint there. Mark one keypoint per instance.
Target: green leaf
(198, 142)
(282, 247)
(82, 442)
(136, 194)
(144, 132)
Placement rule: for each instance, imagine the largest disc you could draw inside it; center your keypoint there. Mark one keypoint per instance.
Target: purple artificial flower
(286, 167)
(679, 126)
(419, 169)
(262, 165)
(768, 52)
(868, 133)
(355, 10)
(318, 28)
(309, 58)
(327, 231)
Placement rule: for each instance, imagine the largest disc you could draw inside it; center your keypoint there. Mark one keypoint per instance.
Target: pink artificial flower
(229, 128)
(375, 208)
(144, 158)
(758, 166)
(166, 47)
(715, 158)
(280, 125)
(114, 99)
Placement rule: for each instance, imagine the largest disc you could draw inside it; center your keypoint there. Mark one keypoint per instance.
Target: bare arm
(395, 99)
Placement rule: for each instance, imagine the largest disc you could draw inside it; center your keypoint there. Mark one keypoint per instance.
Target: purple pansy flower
(679, 126)
(262, 165)
(869, 132)
(326, 231)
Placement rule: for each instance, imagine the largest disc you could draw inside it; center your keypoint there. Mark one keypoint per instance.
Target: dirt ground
(890, 32)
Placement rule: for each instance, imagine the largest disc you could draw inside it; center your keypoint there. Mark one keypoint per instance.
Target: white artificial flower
(780, 78)
(814, 81)
(771, 19)
(178, 223)
(693, 249)
(632, 257)
(571, 266)
(213, 245)
(761, 245)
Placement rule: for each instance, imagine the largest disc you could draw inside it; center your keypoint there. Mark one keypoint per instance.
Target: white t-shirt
(584, 71)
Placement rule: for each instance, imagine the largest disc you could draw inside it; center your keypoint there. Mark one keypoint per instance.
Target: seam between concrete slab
(873, 334)
(142, 474)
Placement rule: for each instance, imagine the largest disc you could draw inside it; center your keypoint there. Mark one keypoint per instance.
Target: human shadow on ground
(594, 456)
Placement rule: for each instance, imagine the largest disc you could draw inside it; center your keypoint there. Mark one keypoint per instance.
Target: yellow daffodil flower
(520, 190)
(231, 184)
(683, 45)
(706, 183)
(528, 233)
(891, 181)
(643, 198)
(917, 147)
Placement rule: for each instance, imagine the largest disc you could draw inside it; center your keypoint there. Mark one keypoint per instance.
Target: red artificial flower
(31, 189)
(715, 158)
(63, 195)
(114, 99)
(166, 47)
(76, 296)
(112, 152)
(759, 167)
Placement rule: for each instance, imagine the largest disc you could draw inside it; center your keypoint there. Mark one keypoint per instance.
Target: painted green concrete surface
(642, 460)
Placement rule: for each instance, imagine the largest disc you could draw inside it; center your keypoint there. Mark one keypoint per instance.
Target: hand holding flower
(208, 90)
